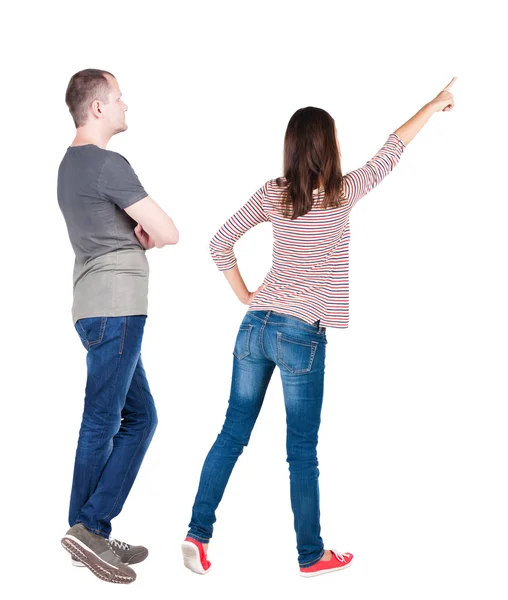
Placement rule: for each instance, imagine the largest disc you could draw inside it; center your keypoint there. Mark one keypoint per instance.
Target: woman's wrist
(431, 106)
(243, 296)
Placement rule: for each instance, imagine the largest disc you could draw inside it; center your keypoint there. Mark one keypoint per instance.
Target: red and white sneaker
(194, 556)
(338, 561)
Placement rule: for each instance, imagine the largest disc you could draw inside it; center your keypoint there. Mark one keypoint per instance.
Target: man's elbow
(169, 239)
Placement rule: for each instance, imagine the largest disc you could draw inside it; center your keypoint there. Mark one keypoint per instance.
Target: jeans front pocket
(294, 354)
(91, 330)
(242, 344)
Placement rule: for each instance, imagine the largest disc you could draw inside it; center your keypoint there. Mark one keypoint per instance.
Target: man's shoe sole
(133, 561)
(76, 562)
(100, 568)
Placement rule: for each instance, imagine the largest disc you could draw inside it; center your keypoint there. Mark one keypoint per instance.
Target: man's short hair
(85, 87)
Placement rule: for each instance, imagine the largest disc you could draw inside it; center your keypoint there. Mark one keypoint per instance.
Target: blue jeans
(119, 420)
(267, 339)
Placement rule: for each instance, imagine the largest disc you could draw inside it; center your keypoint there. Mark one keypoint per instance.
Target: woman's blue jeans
(267, 339)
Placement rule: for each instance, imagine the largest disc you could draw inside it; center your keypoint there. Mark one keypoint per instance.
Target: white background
(413, 445)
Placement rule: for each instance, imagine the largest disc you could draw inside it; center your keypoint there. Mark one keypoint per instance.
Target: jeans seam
(123, 335)
(261, 339)
(96, 457)
(143, 438)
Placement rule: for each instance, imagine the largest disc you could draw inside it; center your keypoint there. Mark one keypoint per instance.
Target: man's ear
(96, 109)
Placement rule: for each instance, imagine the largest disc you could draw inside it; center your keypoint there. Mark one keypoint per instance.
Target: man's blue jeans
(267, 339)
(119, 420)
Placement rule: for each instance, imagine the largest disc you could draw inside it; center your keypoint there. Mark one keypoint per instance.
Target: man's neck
(85, 136)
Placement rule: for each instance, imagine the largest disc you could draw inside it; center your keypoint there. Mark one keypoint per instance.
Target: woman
(305, 291)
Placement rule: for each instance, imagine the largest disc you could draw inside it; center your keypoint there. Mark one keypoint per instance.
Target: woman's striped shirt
(309, 277)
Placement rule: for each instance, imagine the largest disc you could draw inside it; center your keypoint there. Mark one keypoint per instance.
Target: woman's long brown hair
(311, 160)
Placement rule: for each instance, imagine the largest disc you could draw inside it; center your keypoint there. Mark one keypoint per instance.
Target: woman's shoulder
(275, 186)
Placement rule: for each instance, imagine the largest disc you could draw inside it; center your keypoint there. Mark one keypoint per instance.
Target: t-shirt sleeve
(361, 181)
(118, 183)
(251, 214)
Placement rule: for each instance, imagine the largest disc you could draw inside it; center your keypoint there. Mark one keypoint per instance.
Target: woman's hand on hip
(251, 295)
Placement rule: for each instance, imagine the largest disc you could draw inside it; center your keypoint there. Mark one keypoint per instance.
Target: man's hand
(144, 239)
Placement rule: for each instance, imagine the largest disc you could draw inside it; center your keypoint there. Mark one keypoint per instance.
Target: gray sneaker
(95, 553)
(129, 555)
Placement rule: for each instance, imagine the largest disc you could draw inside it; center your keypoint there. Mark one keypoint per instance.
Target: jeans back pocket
(294, 354)
(242, 344)
(91, 330)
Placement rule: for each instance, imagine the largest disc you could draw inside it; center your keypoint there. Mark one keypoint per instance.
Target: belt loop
(268, 313)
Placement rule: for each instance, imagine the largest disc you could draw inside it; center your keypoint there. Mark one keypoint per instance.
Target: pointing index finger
(448, 87)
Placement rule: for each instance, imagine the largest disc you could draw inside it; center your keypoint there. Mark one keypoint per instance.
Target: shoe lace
(118, 544)
(339, 555)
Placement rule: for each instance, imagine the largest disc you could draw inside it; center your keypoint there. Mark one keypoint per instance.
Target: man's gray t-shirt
(111, 269)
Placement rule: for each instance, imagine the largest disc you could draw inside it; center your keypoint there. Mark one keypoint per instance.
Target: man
(111, 222)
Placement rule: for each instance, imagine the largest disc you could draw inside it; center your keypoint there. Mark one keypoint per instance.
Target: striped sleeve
(361, 181)
(250, 215)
